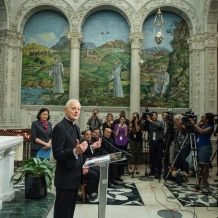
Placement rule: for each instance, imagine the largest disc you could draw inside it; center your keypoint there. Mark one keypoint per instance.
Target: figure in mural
(115, 77)
(58, 71)
(161, 85)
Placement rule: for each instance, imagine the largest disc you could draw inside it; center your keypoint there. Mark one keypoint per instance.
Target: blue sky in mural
(49, 27)
(148, 30)
(104, 26)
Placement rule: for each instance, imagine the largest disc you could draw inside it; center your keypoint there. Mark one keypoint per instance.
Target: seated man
(93, 174)
(105, 149)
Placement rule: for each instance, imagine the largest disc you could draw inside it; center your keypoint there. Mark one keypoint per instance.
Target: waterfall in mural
(46, 60)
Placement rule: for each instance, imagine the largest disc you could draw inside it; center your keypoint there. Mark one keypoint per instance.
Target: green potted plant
(38, 175)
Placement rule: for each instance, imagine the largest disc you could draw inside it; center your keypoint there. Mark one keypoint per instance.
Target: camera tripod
(192, 140)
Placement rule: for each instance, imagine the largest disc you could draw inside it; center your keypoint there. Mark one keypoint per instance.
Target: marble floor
(156, 204)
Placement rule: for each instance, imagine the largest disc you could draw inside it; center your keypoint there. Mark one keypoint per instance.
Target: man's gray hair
(70, 101)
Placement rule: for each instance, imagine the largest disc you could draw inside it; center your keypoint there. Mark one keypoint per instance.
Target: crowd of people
(71, 148)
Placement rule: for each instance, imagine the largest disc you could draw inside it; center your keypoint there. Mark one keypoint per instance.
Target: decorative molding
(135, 40)
(12, 38)
(120, 6)
(203, 40)
(76, 39)
(211, 79)
(194, 90)
(177, 5)
(212, 17)
(2, 82)
(29, 7)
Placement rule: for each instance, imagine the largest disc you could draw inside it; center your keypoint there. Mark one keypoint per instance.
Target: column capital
(76, 39)
(12, 38)
(200, 41)
(136, 39)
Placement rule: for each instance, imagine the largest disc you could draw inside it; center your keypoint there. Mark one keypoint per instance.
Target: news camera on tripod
(184, 139)
(203, 132)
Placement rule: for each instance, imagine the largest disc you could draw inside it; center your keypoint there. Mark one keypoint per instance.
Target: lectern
(103, 162)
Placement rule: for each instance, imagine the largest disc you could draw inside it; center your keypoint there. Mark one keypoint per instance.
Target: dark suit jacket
(37, 131)
(68, 171)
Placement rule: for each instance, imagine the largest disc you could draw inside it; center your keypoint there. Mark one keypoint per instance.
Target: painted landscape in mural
(165, 72)
(105, 60)
(46, 60)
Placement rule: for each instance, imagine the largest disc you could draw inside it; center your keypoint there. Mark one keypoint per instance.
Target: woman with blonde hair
(108, 123)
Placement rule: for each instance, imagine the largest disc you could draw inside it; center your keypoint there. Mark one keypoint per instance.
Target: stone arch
(183, 9)
(4, 11)
(123, 8)
(29, 8)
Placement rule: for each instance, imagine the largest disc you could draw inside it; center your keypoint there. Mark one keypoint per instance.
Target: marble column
(76, 39)
(203, 73)
(11, 44)
(135, 40)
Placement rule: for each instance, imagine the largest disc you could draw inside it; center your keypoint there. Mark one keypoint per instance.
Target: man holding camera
(94, 120)
(156, 144)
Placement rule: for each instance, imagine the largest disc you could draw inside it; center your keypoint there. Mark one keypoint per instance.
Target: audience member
(117, 121)
(94, 120)
(135, 140)
(92, 177)
(41, 132)
(109, 122)
(121, 141)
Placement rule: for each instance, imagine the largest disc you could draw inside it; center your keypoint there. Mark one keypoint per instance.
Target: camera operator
(94, 121)
(180, 162)
(156, 144)
(203, 133)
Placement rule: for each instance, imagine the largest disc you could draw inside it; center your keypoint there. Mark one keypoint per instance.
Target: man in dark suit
(106, 148)
(93, 175)
(67, 150)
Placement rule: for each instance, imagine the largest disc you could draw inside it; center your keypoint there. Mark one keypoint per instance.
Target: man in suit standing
(67, 150)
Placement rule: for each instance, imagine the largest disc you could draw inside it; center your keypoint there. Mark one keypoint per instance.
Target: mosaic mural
(105, 60)
(165, 73)
(46, 60)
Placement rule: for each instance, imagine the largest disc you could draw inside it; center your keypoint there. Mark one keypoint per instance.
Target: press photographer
(156, 144)
(203, 132)
(144, 119)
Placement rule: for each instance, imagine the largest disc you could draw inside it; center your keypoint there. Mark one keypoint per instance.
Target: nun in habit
(161, 85)
(58, 71)
(115, 77)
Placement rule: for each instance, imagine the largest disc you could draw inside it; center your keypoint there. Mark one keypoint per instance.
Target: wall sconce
(158, 21)
(141, 62)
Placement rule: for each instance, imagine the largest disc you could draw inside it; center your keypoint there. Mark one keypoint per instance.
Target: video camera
(185, 119)
(169, 118)
(144, 117)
